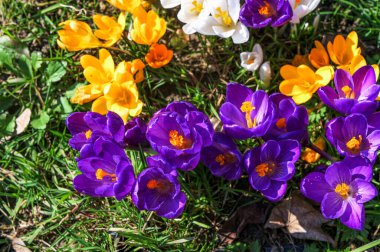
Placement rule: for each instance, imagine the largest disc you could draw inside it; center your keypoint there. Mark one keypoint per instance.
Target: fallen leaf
(300, 218)
(18, 245)
(243, 216)
(22, 121)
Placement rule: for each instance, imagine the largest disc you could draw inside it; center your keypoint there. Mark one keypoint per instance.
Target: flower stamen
(354, 144)
(198, 7)
(348, 93)
(264, 169)
(281, 123)
(224, 16)
(247, 108)
(88, 134)
(177, 140)
(343, 190)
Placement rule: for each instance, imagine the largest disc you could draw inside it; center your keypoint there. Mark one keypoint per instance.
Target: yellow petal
(107, 62)
(302, 98)
(293, 87)
(324, 75)
(305, 73)
(100, 106)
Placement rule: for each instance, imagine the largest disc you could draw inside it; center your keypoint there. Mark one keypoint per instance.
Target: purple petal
(333, 205)
(276, 191)
(290, 151)
(314, 186)
(328, 96)
(354, 216)
(115, 126)
(237, 94)
(283, 171)
(173, 208)
(259, 183)
(270, 151)
(363, 78)
(76, 124)
(93, 188)
(338, 173)
(365, 107)
(342, 78)
(364, 191)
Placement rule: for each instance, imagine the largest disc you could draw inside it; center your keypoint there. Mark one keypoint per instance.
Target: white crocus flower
(301, 8)
(265, 73)
(191, 12)
(168, 4)
(252, 60)
(224, 21)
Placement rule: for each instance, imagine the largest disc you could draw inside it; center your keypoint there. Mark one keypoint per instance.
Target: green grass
(37, 200)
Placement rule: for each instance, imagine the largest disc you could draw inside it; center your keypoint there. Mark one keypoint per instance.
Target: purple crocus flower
(373, 122)
(351, 137)
(245, 113)
(156, 190)
(261, 13)
(178, 133)
(106, 170)
(356, 94)
(223, 157)
(159, 161)
(135, 132)
(86, 127)
(271, 165)
(291, 120)
(342, 190)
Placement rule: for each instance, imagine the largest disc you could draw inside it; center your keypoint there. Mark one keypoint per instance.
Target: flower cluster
(272, 127)
(316, 70)
(225, 18)
(114, 88)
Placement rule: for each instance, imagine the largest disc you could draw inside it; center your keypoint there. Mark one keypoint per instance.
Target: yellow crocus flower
(148, 27)
(342, 51)
(76, 35)
(109, 30)
(121, 98)
(130, 71)
(125, 5)
(302, 82)
(311, 156)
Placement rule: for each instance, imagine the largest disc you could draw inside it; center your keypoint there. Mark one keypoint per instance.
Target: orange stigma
(177, 140)
(266, 10)
(348, 93)
(160, 185)
(88, 134)
(343, 190)
(100, 174)
(354, 144)
(228, 158)
(281, 123)
(265, 169)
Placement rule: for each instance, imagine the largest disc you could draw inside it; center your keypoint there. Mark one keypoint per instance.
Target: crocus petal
(333, 205)
(173, 208)
(365, 191)
(276, 191)
(337, 174)
(168, 4)
(314, 186)
(354, 216)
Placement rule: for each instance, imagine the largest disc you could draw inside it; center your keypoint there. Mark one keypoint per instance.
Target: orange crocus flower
(311, 156)
(318, 56)
(342, 51)
(158, 56)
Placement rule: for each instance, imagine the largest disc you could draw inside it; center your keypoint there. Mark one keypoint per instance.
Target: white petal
(312, 4)
(204, 26)
(189, 28)
(259, 53)
(241, 34)
(265, 73)
(234, 10)
(167, 4)
(223, 31)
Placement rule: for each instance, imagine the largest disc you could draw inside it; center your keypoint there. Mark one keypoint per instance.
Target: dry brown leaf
(300, 218)
(18, 245)
(243, 216)
(22, 121)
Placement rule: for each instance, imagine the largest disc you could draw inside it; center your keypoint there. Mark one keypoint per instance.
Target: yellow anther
(224, 16)
(247, 108)
(348, 93)
(198, 7)
(354, 144)
(342, 189)
(88, 134)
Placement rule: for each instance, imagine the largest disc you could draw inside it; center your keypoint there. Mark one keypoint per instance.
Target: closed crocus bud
(265, 74)
(252, 60)
(76, 35)
(135, 132)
